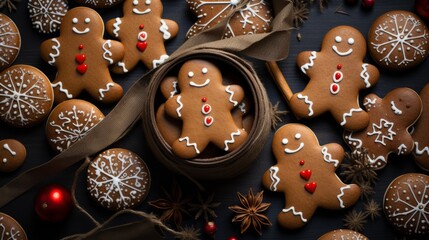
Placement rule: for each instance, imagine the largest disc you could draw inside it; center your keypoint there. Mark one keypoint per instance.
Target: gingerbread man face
(336, 73)
(387, 131)
(142, 31)
(82, 57)
(421, 129)
(305, 173)
(83, 23)
(204, 105)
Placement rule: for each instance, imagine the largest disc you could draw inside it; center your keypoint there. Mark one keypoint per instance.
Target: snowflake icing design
(401, 39)
(97, 2)
(44, 13)
(378, 130)
(8, 233)
(247, 16)
(72, 125)
(118, 180)
(9, 41)
(407, 206)
(23, 97)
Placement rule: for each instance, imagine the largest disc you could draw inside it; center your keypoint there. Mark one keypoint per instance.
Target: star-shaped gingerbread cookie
(336, 73)
(305, 173)
(389, 120)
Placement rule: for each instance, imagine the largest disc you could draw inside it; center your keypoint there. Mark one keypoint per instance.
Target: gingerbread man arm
(50, 50)
(305, 61)
(113, 51)
(169, 87)
(405, 145)
(173, 107)
(172, 28)
(333, 154)
(370, 101)
(113, 27)
(369, 74)
(236, 94)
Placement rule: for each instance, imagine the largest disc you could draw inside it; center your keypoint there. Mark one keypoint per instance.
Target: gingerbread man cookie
(82, 57)
(305, 173)
(337, 73)
(421, 129)
(389, 120)
(204, 105)
(143, 32)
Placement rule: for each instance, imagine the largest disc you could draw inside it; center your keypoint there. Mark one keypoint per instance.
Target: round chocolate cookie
(70, 121)
(26, 96)
(10, 41)
(398, 40)
(99, 3)
(10, 228)
(118, 179)
(406, 203)
(342, 234)
(12, 155)
(47, 15)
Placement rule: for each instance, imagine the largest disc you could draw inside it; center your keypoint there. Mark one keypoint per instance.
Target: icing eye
(285, 141)
(351, 41)
(87, 20)
(148, 2)
(338, 39)
(75, 20)
(297, 136)
(204, 71)
(190, 74)
(135, 2)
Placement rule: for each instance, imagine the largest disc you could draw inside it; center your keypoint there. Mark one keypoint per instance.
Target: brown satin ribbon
(128, 110)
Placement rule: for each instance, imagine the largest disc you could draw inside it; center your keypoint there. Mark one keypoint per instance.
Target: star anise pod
(173, 205)
(276, 115)
(250, 211)
(204, 207)
(359, 170)
(367, 190)
(372, 209)
(10, 4)
(300, 12)
(355, 220)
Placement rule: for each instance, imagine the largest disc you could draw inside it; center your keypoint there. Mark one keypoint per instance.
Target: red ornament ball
(53, 203)
(209, 228)
(368, 3)
(422, 8)
(232, 238)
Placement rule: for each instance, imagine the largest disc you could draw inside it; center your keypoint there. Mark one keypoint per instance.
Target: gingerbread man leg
(354, 118)
(303, 105)
(231, 140)
(296, 215)
(186, 147)
(126, 64)
(63, 89)
(111, 92)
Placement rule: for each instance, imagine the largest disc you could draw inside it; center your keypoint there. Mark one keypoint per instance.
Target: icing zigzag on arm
(365, 75)
(180, 106)
(339, 196)
(328, 157)
(421, 151)
(306, 66)
(56, 48)
(275, 180)
(164, 29)
(116, 27)
(231, 93)
(107, 54)
(308, 102)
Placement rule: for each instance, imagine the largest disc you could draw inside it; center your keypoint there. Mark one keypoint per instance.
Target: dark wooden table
(325, 128)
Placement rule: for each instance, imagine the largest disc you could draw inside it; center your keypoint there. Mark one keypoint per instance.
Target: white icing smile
(396, 110)
(342, 53)
(193, 84)
(136, 11)
(75, 30)
(285, 141)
